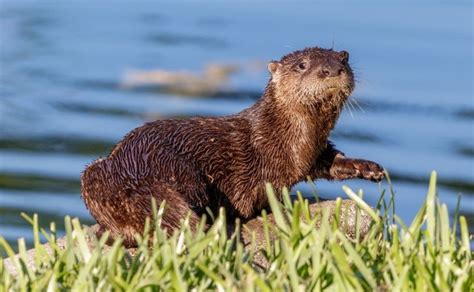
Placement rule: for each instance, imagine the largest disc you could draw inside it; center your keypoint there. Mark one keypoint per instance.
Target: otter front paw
(346, 168)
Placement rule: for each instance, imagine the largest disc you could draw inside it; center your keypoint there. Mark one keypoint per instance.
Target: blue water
(61, 105)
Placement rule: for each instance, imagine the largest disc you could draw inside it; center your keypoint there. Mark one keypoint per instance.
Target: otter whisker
(363, 102)
(355, 106)
(347, 106)
(358, 105)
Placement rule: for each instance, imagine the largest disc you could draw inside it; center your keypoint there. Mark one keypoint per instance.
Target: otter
(213, 162)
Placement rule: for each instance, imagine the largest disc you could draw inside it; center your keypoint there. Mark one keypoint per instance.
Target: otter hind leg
(104, 202)
(140, 208)
(122, 210)
(132, 217)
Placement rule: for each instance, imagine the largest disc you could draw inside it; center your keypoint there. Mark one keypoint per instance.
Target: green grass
(430, 254)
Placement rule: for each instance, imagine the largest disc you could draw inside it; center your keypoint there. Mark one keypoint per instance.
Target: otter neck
(292, 133)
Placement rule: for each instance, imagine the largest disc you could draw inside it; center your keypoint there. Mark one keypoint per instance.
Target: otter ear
(273, 67)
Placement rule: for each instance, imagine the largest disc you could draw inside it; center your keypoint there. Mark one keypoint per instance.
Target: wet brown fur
(224, 161)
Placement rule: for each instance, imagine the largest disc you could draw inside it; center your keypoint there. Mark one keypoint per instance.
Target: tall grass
(430, 254)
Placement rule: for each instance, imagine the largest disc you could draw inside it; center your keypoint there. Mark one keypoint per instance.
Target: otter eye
(302, 66)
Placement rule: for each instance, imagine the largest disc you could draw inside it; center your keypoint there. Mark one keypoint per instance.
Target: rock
(347, 223)
(252, 228)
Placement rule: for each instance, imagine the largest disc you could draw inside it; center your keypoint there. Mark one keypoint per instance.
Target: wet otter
(224, 161)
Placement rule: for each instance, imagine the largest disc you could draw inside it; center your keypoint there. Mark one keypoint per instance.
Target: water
(61, 104)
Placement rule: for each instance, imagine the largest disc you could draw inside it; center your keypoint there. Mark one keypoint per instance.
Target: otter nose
(331, 70)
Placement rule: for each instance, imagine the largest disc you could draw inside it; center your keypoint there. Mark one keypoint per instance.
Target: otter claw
(369, 170)
(346, 168)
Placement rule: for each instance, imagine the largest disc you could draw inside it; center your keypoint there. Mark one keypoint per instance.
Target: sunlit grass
(430, 254)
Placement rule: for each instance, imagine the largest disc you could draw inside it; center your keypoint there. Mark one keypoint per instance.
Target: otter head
(312, 75)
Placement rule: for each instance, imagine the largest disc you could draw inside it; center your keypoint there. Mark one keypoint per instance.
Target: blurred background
(75, 77)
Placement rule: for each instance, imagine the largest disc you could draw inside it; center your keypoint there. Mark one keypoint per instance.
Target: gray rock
(252, 229)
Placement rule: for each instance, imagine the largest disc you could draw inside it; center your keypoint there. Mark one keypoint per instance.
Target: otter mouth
(332, 90)
(328, 92)
(344, 88)
(342, 93)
